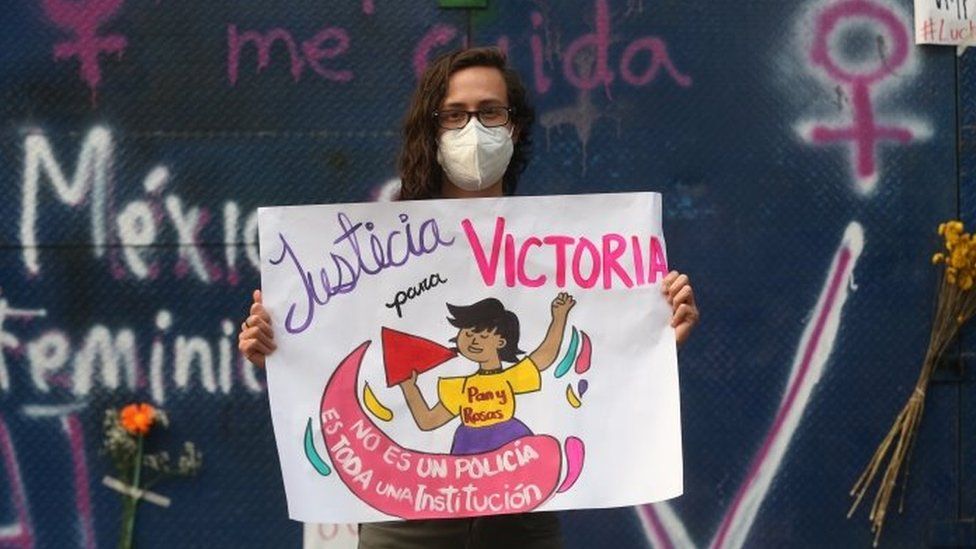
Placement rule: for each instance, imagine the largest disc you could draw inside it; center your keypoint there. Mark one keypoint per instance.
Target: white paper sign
(330, 536)
(945, 22)
(449, 358)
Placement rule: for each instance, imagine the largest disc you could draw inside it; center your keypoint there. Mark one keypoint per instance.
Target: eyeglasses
(490, 117)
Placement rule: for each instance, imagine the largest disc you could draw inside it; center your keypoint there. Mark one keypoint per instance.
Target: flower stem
(131, 502)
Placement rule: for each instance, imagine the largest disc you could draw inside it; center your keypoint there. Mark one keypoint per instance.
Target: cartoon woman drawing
(488, 334)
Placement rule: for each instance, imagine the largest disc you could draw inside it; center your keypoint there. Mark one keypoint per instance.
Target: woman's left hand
(676, 287)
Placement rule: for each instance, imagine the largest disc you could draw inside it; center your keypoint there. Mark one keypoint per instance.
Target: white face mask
(475, 157)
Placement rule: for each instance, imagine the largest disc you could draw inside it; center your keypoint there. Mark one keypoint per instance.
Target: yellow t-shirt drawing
(487, 398)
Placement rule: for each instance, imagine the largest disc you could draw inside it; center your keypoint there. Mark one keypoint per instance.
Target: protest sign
(449, 358)
(950, 22)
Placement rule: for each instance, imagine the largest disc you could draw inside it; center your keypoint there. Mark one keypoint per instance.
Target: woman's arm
(545, 354)
(427, 418)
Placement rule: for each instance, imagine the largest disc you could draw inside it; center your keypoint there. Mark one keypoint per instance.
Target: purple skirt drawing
(477, 440)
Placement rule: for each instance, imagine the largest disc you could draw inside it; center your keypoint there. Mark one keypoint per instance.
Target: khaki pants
(527, 530)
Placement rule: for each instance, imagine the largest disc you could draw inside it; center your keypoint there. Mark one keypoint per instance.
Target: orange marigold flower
(137, 418)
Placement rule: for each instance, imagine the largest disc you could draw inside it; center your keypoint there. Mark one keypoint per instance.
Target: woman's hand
(256, 340)
(684, 313)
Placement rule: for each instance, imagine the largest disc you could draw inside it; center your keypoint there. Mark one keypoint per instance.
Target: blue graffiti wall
(806, 152)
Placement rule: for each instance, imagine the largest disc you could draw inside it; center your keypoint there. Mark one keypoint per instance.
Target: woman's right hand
(256, 340)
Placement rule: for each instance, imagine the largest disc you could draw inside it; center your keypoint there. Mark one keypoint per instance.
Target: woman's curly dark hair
(420, 174)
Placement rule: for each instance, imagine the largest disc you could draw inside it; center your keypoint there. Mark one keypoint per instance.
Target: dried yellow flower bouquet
(956, 305)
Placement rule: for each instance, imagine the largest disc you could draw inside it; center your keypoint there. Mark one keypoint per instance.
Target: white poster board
(949, 22)
(449, 358)
(330, 536)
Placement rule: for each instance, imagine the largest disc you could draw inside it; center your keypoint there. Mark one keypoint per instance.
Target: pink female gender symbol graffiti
(863, 132)
(83, 19)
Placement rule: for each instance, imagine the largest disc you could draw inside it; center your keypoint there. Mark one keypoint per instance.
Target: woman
(466, 135)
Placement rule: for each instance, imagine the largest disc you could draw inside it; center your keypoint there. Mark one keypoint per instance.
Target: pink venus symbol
(863, 132)
(82, 18)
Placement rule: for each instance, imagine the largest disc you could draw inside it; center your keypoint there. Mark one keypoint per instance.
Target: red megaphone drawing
(405, 353)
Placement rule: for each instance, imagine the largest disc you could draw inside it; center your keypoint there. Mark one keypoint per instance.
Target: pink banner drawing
(410, 484)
